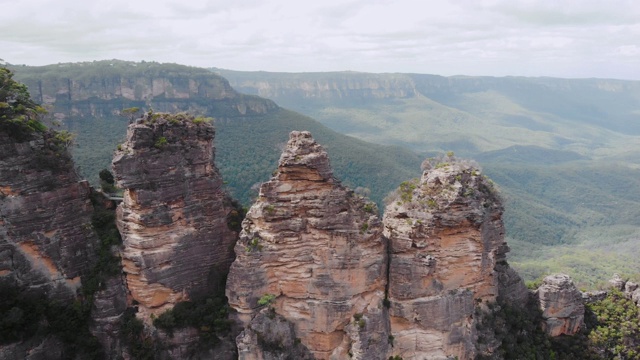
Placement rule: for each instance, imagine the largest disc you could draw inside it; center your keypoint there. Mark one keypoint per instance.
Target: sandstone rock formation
(561, 304)
(46, 240)
(318, 249)
(447, 255)
(88, 91)
(109, 305)
(630, 289)
(173, 217)
(270, 337)
(47, 245)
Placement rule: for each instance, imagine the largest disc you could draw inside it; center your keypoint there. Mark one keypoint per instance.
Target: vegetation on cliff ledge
(612, 331)
(19, 115)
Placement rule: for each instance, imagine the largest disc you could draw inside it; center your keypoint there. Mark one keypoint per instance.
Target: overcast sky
(562, 38)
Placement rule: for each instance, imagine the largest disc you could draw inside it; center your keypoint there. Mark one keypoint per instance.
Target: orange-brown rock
(173, 217)
(318, 248)
(47, 244)
(46, 238)
(561, 304)
(447, 255)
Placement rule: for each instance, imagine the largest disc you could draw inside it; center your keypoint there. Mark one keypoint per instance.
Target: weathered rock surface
(177, 244)
(561, 304)
(270, 336)
(47, 243)
(46, 239)
(630, 289)
(318, 248)
(36, 348)
(617, 282)
(447, 255)
(108, 308)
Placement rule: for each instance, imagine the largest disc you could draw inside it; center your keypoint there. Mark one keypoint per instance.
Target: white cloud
(569, 38)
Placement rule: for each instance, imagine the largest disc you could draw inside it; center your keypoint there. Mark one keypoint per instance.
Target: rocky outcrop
(561, 304)
(109, 305)
(47, 245)
(447, 256)
(314, 252)
(617, 282)
(46, 239)
(270, 336)
(630, 289)
(177, 244)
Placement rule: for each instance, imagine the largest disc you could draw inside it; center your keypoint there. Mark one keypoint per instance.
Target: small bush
(202, 120)
(161, 143)
(406, 190)
(254, 245)
(266, 299)
(208, 315)
(369, 207)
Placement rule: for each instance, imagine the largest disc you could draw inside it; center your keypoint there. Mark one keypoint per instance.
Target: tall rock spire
(318, 249)
(447, 256)
(173, 217)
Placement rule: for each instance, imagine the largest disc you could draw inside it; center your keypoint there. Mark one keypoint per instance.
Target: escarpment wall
(103, 88)
(176, 242)
(318, 250)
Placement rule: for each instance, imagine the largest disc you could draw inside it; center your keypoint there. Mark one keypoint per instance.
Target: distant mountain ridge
(418, 110)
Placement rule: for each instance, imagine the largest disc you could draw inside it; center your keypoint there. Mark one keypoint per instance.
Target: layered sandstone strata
(318, 250)
(47, 245)
(177, 244)
(447, 256)
(46, 238)
(561, 304)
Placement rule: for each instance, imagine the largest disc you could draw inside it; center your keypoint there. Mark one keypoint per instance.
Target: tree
(130, 113)
(19, 115)
(107, 182)
(106, 176)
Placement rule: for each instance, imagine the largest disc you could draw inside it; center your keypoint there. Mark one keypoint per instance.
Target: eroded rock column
(447, 256)
(318, 249)
(561, 304)
(173, 216)
(46, 238)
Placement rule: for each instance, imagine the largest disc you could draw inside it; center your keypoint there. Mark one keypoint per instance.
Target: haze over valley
(364, 180)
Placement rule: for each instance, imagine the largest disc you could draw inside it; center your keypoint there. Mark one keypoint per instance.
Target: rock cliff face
(318, 249)
(47, 245)
(177, 244)
(447, 256)
(561, 304)
(46, 240)
(103, 88)
(334, 86)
